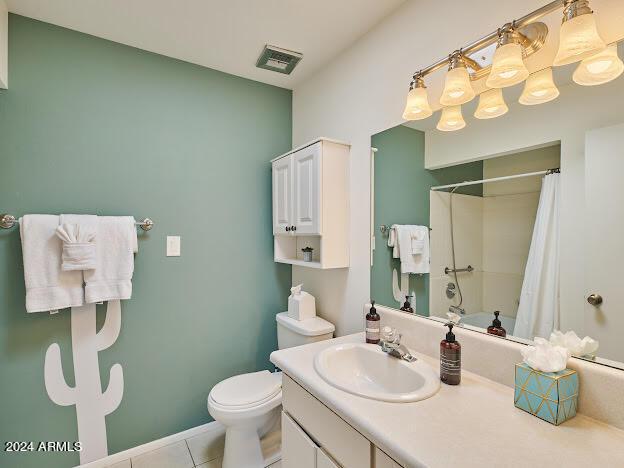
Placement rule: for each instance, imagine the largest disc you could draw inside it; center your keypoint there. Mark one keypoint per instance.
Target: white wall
(362, 92)
(4, 45)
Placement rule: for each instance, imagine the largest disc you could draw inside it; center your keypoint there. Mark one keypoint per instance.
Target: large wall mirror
(521, 215)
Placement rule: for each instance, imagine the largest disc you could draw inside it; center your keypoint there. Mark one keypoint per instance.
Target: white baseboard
(153, 445)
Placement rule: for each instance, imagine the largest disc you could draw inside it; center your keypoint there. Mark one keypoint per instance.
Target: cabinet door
(323, 460)
(298, 450)
(384, 461)
(282, 195)
(307, 189)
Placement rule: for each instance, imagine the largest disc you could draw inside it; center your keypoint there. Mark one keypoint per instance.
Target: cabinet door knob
(287, 228)
(294, 228)
(594, 299)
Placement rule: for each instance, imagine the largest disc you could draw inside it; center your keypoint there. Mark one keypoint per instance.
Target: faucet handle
(390, 337)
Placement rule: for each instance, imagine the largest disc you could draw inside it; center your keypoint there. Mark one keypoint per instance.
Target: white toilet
(248, 405)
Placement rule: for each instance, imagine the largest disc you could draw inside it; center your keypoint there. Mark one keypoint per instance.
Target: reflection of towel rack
(385, 229)
(7, 221)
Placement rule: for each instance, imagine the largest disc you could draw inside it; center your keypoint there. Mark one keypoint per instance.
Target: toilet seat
(247, 391)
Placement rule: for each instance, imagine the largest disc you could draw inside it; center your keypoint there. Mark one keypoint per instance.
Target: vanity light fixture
(417, 106)
(491, 104)
(539, 88)
(508, 66)
(599, 69)
(515, 41)
(451, 119)
(457, 87)
(578, 38)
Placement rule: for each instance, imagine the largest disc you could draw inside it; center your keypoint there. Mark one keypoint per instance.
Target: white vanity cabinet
(311, 204)
(315, 436)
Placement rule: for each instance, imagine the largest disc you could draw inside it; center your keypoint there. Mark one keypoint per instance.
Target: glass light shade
(451, 119)
(599, 69)
(507, 67)
(417, 106)
(491, 104)
(457, 88)
(578, 40)
(539, 88)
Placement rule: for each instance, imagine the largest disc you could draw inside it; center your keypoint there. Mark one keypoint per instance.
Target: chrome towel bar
(7, 221)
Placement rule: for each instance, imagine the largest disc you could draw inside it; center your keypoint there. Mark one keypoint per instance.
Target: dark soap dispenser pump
(407, 307)
(497, 327)
(373, 325)
(450, 358)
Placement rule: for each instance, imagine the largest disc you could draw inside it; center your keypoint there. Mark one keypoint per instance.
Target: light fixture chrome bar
(493, 36)
(495, 179)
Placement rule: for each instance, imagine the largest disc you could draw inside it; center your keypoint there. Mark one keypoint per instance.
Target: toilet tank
(291, 332)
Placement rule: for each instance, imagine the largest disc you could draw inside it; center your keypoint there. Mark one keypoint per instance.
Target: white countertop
(474, 424)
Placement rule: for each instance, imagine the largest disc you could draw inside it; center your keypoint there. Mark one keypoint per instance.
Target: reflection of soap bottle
(407, 307)
(450, 358)
(497, 327)
(373, 325)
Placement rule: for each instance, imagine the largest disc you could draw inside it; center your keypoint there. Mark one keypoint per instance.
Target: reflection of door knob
(594, 299)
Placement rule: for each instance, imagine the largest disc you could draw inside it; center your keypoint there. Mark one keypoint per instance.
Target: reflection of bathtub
(484, 320)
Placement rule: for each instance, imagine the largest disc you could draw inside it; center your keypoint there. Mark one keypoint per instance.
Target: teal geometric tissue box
(551, 396)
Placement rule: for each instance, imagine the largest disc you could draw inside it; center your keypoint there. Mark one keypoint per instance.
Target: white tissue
(571, 341)
(453, 317)
(545, 357)
(296, 290)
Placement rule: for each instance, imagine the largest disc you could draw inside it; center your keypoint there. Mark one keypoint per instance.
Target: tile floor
(202, 451)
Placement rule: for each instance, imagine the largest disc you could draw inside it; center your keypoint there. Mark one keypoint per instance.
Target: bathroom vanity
(473, 424)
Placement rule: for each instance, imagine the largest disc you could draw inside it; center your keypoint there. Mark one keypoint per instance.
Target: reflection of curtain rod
(495, 179)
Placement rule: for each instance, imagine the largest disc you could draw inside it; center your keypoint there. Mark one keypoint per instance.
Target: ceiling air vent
(278, 60)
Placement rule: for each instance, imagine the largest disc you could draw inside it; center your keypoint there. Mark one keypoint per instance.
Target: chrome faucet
(391, 344)
(457, 310)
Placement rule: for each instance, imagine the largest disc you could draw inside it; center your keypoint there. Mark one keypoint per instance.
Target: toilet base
(242, 449)
(243, 445)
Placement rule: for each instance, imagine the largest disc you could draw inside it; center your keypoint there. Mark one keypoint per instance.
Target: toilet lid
(247, 389)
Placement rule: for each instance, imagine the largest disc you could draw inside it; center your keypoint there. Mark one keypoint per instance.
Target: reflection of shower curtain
(538, 312)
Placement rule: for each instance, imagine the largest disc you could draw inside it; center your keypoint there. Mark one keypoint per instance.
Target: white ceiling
(226, 35)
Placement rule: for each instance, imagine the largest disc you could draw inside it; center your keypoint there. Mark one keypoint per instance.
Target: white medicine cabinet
(311, 205)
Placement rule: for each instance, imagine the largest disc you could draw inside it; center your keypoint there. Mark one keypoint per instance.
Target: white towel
(78, 235)
(48, 288)
(115, 247)
(412, 238)
(393, 242)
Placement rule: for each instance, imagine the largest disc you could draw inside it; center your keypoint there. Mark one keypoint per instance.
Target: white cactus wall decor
(399, 292)
(92, 405)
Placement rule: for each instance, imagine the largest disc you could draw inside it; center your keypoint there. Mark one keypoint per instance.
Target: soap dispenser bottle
(407, 306)
(373, 325)
(450, 358)
(497, 327)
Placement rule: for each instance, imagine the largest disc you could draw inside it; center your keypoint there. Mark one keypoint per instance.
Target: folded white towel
(48, 288)
(410, 262)
(115, 247)
(78, 235)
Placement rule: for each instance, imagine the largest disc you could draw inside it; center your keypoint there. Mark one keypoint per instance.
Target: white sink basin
(365, 370)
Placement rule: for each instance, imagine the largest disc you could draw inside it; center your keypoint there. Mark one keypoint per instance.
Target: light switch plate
(173, 246)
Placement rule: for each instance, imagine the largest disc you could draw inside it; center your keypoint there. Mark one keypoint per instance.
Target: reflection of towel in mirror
(78, 235)
(413, 242)
(392, 241)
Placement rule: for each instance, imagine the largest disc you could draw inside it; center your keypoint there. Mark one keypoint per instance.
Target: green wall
(90, 126)
(402, 197)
